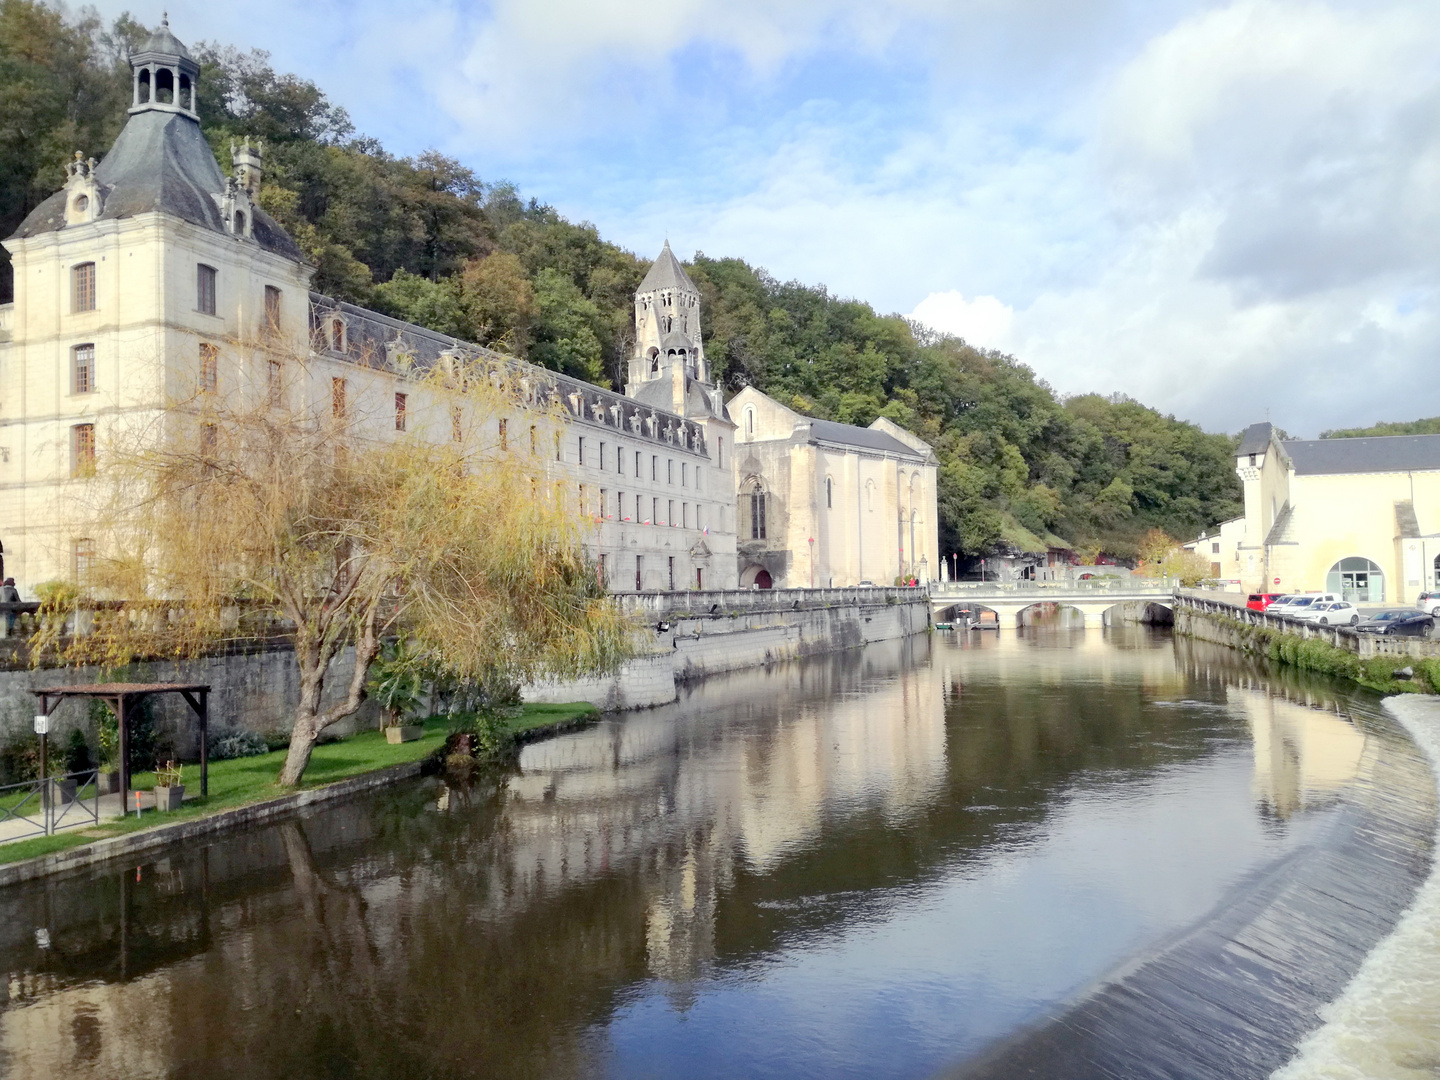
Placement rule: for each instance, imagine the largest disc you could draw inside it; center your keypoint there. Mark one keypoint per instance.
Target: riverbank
(243, 791)
(1323, 650)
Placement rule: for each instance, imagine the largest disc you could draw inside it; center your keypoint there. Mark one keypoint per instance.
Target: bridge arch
(1144, 612)
(1050, 613)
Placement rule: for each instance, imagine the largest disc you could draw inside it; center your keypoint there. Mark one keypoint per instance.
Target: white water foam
(1386, 1023)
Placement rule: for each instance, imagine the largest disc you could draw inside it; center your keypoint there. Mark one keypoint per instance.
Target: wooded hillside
(428, 240)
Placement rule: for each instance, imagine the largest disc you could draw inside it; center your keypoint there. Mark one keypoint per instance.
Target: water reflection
(865, 865)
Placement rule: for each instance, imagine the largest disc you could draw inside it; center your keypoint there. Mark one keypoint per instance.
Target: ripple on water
(1386, 1024)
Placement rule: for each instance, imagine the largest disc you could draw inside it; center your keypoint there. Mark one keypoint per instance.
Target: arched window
(654, 361)
(870, 495)
(184, 91)
(82, 203)
(239, 223)
(757, 511)
(165, 86)
(1357, 580)
(1437, 571)
(143, 95)
(750, 423)
(829, 493)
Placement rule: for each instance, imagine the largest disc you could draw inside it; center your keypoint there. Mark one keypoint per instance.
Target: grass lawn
(243, 781)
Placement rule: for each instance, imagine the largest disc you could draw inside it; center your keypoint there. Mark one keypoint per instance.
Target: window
(669, 471)
(82, 450)
(583, 507)
(829, 493)
(639, 573)
(580, 450)
(337, 397)
(1357, 580)
(274, 385)
(619, 461)
(654, 467)
(684, 474)
(209, 367)
(602, 456)
(600, 572)
(720, 451)
(82, 287)
(205, 289)
(670, 512)
(603, 494)
(671, 561)
(620, 506)
(757, 513)
(699, 578)
(272, 308)
(684, 515)
(401, 401)
(82, 369)
(503, 428)
(559, 452)
(654, 511)
(457, 429)
(637, 464)
(1214, 549)
(1252, 459)
(82, 554)
(533, 442)
(750, 422)
(699, 477)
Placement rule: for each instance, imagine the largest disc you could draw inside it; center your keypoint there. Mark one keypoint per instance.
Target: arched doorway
(756, 576)
(1358, 580)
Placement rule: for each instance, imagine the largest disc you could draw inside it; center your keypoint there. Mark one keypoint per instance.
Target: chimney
(249, 162)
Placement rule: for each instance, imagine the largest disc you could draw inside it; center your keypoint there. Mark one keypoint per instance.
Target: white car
(1330, 613)
(1429, 602)
(1296, 603)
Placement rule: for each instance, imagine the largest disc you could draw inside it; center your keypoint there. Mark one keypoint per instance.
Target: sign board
(42, 725)
(1277, 581)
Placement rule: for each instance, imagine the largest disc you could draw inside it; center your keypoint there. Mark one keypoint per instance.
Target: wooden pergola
(118, 696)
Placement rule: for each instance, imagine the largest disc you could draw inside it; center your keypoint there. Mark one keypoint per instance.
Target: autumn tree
(279, 503)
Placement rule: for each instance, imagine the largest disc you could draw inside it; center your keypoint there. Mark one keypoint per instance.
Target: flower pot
(169, 798)
(64, 791)
(404, 733)
(108, 781)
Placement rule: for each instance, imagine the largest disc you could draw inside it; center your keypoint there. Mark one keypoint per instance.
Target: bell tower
(165, 75)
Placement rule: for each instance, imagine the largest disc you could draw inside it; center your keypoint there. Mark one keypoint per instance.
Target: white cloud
(983, 322)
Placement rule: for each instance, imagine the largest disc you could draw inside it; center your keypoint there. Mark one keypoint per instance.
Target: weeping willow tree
(296, 499)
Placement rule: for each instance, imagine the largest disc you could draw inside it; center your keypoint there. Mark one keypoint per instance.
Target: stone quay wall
(704, 633)
(1206, 619)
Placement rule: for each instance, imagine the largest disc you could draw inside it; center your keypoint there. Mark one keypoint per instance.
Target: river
(1057, 853)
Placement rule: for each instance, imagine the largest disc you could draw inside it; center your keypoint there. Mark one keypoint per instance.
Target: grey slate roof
(1379, 453)
(161, 162)
(865, 438)
(1256, 440)
(1280, 530)
(667, 273)
(162, 41)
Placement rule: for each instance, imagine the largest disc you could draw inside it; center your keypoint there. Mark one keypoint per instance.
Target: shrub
(231, 742)
(77, 753)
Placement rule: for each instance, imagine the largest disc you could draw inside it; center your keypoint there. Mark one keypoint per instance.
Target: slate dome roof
(163, 41)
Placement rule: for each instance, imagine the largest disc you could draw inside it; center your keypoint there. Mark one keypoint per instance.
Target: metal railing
(1128, 587)
(44, 807)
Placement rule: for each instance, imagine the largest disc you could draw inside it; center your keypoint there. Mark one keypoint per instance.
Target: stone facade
(825, 505)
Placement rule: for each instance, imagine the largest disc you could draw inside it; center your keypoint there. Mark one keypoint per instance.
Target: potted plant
(107, 737)
(169, 791)
(397, 682)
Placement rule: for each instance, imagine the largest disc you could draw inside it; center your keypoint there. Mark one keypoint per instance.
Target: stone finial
(249, 163)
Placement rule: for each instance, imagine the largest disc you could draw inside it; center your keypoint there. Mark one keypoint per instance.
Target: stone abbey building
(135, 282)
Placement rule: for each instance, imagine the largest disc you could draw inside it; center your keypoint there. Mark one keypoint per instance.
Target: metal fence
(44, 807)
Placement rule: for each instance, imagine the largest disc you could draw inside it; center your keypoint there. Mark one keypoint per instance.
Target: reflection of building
(1302, 755)
(1356, 516)
(824, 504)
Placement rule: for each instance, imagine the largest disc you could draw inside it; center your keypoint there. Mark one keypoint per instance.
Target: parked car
(1261, 600)
(1295, 603)
(1429, 602)
(1330, 613)
(1398, 622)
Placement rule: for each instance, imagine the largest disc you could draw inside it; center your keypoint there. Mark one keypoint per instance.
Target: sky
(1229, 211)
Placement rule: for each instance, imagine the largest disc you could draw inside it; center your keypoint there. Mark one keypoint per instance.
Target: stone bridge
(1077, 603)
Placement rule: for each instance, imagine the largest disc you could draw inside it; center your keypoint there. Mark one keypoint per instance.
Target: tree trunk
(309, 720)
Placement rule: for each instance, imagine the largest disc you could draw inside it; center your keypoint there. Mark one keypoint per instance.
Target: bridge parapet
(1036, 591)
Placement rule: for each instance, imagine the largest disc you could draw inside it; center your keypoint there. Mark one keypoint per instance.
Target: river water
(1057, 853)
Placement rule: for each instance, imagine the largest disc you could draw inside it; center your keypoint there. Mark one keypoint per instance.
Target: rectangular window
(720, 452)
(272, 308)
(654, 511)
(1215, 549)
(654, 467)
(639, 573)
(1214, 569)
(620, 460)
(82, 450)
(209, 367)
(699, 477)
(637, 464)
(583, 508)
(672, 573)
(580, 450)
(337, 397)
(82, 287)
(684, 474)
(684, 515)
(601, 464)
(533, 441)
(699, 578)
(205, 289)
(83, 559)
(559, 449)
(620, 506)
(829, 494)
(274, 386)
(670, 512)
(401, 403)
(82, 369)
(457, 430)
(601, 573)
(603, 494)
(699, 519)
(757, 515)
(669, 470)
(504, 428)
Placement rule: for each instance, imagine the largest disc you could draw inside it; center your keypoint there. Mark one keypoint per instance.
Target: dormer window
(239, 222)
(1252, 459)
(337, 335)
(81, 204)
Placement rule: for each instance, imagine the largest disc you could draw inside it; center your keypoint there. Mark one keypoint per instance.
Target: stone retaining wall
(1342, 637)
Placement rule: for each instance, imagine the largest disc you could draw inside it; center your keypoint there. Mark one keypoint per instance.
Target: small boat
(943, 626)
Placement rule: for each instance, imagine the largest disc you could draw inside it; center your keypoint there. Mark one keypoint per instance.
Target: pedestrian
(9, 595)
